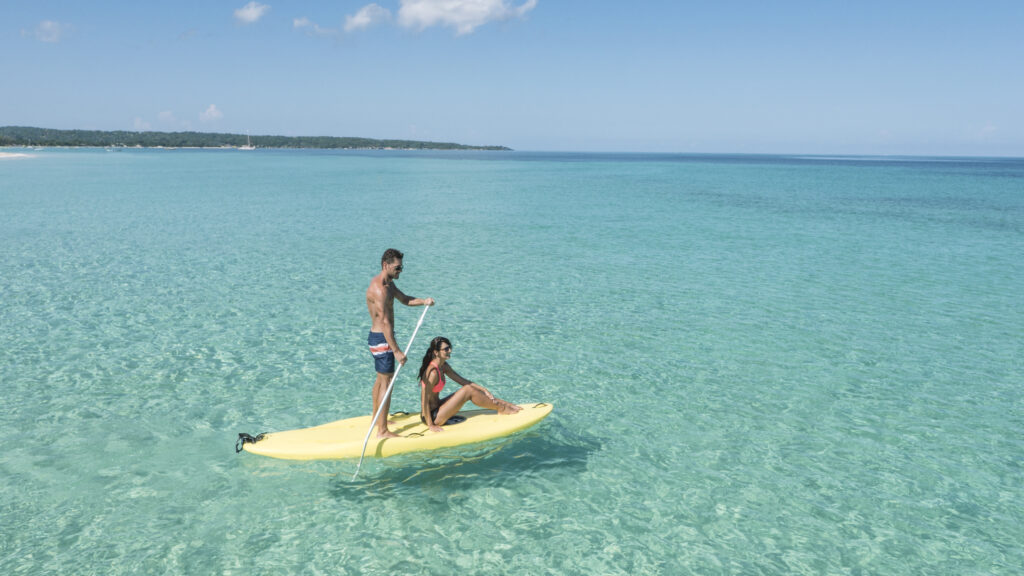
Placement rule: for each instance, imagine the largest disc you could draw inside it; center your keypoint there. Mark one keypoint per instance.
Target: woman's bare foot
(507, 407)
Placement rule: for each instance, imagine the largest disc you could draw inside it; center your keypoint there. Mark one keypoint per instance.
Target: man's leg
(380, 387)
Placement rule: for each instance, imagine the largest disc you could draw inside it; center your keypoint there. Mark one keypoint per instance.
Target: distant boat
(248, 144)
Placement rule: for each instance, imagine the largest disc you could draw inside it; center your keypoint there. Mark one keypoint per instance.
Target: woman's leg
(475, 395)
(494, 403)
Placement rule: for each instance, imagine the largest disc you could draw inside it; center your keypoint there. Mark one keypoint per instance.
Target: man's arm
(389, 335)
(409, 300)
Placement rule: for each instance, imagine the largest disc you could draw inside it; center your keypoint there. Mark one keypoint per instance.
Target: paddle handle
(383, 399)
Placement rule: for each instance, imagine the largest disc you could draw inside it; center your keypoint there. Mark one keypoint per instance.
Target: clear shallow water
(771, 365)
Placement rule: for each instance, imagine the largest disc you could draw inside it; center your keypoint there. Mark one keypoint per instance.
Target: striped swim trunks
(383, 357)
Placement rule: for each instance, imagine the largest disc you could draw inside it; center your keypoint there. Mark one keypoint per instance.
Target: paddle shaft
(383, 400)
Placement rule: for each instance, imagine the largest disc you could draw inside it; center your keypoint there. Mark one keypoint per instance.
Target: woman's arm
(462, 381)
(426, 390)
(448, 370)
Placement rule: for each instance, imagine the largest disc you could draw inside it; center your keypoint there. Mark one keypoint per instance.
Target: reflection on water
(537, 452)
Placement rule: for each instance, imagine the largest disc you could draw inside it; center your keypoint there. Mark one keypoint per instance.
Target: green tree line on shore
(29, 136)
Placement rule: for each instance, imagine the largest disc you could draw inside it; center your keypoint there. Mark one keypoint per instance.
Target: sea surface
(759, 364)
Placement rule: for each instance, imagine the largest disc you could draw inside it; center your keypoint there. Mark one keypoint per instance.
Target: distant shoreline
(5, 149)
(31, 137)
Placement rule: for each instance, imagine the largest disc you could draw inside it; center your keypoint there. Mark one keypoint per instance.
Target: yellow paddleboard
(344, 438)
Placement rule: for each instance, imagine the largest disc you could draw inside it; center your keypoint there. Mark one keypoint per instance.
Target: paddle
(383, 400)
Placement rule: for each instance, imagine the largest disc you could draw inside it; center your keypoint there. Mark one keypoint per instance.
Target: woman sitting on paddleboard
(436, 410)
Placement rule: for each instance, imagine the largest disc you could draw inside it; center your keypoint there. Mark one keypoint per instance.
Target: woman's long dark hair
(435, 346)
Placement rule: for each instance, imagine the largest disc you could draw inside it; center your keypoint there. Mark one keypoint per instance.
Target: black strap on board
(244, 439)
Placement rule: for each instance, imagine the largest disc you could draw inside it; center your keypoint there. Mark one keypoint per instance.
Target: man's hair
(390, 255)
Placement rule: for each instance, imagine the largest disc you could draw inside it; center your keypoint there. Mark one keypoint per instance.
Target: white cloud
(251, 12)
(140, 125)
(50, 31)
(312, 28)
(367, 16)
(463, 15)
(211, 114)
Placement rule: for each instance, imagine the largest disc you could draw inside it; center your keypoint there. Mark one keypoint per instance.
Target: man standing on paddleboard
(380, 300)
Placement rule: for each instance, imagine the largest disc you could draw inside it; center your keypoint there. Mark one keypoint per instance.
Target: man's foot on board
(387, 434)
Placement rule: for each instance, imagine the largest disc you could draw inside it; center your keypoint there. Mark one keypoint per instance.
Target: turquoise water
(759, 365)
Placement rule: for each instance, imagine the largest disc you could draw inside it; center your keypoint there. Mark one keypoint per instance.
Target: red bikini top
(440, 380)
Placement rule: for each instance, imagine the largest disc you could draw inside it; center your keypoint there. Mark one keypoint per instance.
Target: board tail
(244, 439)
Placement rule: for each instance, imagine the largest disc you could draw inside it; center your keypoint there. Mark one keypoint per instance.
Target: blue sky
(816, 77)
